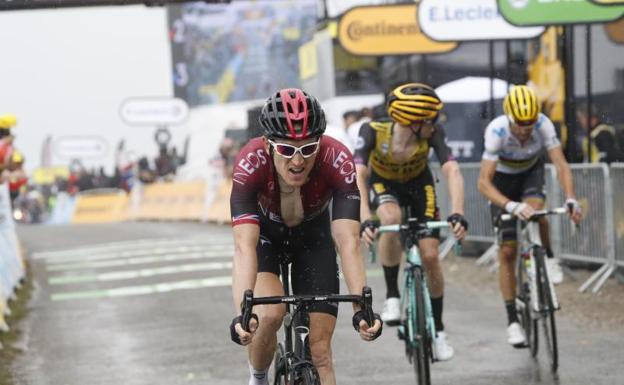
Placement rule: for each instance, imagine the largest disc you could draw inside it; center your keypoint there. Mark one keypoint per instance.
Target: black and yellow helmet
(521, 106)
(7, 121)
(413, 102)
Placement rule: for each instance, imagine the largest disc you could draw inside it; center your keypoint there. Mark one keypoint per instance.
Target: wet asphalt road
(150, 303)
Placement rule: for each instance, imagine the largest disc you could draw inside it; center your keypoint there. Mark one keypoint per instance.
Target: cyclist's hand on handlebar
(520, 209)
(360, 325)
(459, 225)
(574, 210)
(368, 231)
(238, 334)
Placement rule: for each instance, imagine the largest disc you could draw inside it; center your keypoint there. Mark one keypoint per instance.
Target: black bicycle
(293, 364)
(536, 299)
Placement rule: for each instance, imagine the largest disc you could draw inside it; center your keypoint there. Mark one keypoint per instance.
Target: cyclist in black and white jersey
(512, 178)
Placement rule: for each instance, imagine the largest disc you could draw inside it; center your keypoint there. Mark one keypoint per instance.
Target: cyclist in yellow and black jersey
(392, 172)
(374, 146)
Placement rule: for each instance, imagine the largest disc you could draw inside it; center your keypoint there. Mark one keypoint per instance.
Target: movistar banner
(549, 12)
(452, 20)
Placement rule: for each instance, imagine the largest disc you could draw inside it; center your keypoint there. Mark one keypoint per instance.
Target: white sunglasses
(288, 151)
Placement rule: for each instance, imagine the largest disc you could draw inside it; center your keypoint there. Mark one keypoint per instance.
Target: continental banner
(103, 207)
(172, 201)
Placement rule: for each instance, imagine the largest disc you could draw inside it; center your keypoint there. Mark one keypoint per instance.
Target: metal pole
(507, 61)
(424, 69)
(492, 74)
(570, 103)
(588, 60)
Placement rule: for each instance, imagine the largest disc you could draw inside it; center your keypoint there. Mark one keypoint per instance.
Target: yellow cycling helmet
(413, 102)
(521, 106)
(7, 121)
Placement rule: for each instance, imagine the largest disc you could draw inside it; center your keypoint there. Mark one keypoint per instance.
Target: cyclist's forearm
(245, 263)
(362, 183)
(491, 193)
(455, 182)
(346, 236)
(566, 180)
(244, 270)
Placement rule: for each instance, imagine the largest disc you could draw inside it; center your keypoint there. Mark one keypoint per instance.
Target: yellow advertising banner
(615, 31)
(308, 66)
(386, 30)
(101, 208)
(47, 175)
(172, 201)
(219, 210)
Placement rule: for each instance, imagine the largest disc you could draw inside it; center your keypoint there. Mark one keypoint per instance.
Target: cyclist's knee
(389, 214)
(321, 353)
(271, 319)
(508, 252)
(429, 256)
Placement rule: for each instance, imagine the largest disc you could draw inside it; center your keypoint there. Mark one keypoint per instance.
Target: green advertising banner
(553, 12)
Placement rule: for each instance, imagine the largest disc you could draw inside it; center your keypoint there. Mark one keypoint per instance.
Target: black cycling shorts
(310, 249)
(418, 194)
(517, 187)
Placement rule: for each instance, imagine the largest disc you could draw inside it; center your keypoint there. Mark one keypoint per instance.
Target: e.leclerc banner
(553, 12)
(452, 20)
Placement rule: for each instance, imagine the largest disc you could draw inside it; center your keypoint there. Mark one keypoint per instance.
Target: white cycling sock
(258, 377)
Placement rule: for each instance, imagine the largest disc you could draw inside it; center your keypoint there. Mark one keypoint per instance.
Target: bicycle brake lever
(246, 308)
(367, 306)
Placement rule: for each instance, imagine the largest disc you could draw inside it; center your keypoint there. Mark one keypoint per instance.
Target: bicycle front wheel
(420, 339)
(523, 306)
(548, 312)
(280, 366)
(307, 375)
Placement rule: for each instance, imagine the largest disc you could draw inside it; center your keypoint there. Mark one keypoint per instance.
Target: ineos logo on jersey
(249, 164)
(342, 163)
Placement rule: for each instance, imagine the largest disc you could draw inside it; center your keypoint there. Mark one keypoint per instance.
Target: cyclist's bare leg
(390, 249)
(507, 270)
(262, 348)
(321, 331)
(538, 204)
(429, 250)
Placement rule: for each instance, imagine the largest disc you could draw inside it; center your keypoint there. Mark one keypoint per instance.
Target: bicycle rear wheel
(548, 312)
(420, 339)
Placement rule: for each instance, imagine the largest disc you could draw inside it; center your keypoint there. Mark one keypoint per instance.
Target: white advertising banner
(469, 20)
(154, 111)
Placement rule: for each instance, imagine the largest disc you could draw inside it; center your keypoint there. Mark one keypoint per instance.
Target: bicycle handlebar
(538, 214)
(365, 301)
(414, 226)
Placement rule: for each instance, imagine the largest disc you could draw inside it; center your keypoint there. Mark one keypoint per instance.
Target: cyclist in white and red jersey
(512, 179)
(283, 184)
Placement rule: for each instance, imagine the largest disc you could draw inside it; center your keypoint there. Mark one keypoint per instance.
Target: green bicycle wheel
(421, 342)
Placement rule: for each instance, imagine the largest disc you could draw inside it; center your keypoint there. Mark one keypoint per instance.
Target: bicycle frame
(414, 262)
(529, 238)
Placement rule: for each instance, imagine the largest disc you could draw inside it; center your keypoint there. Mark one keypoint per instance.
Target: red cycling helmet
(291, 113)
